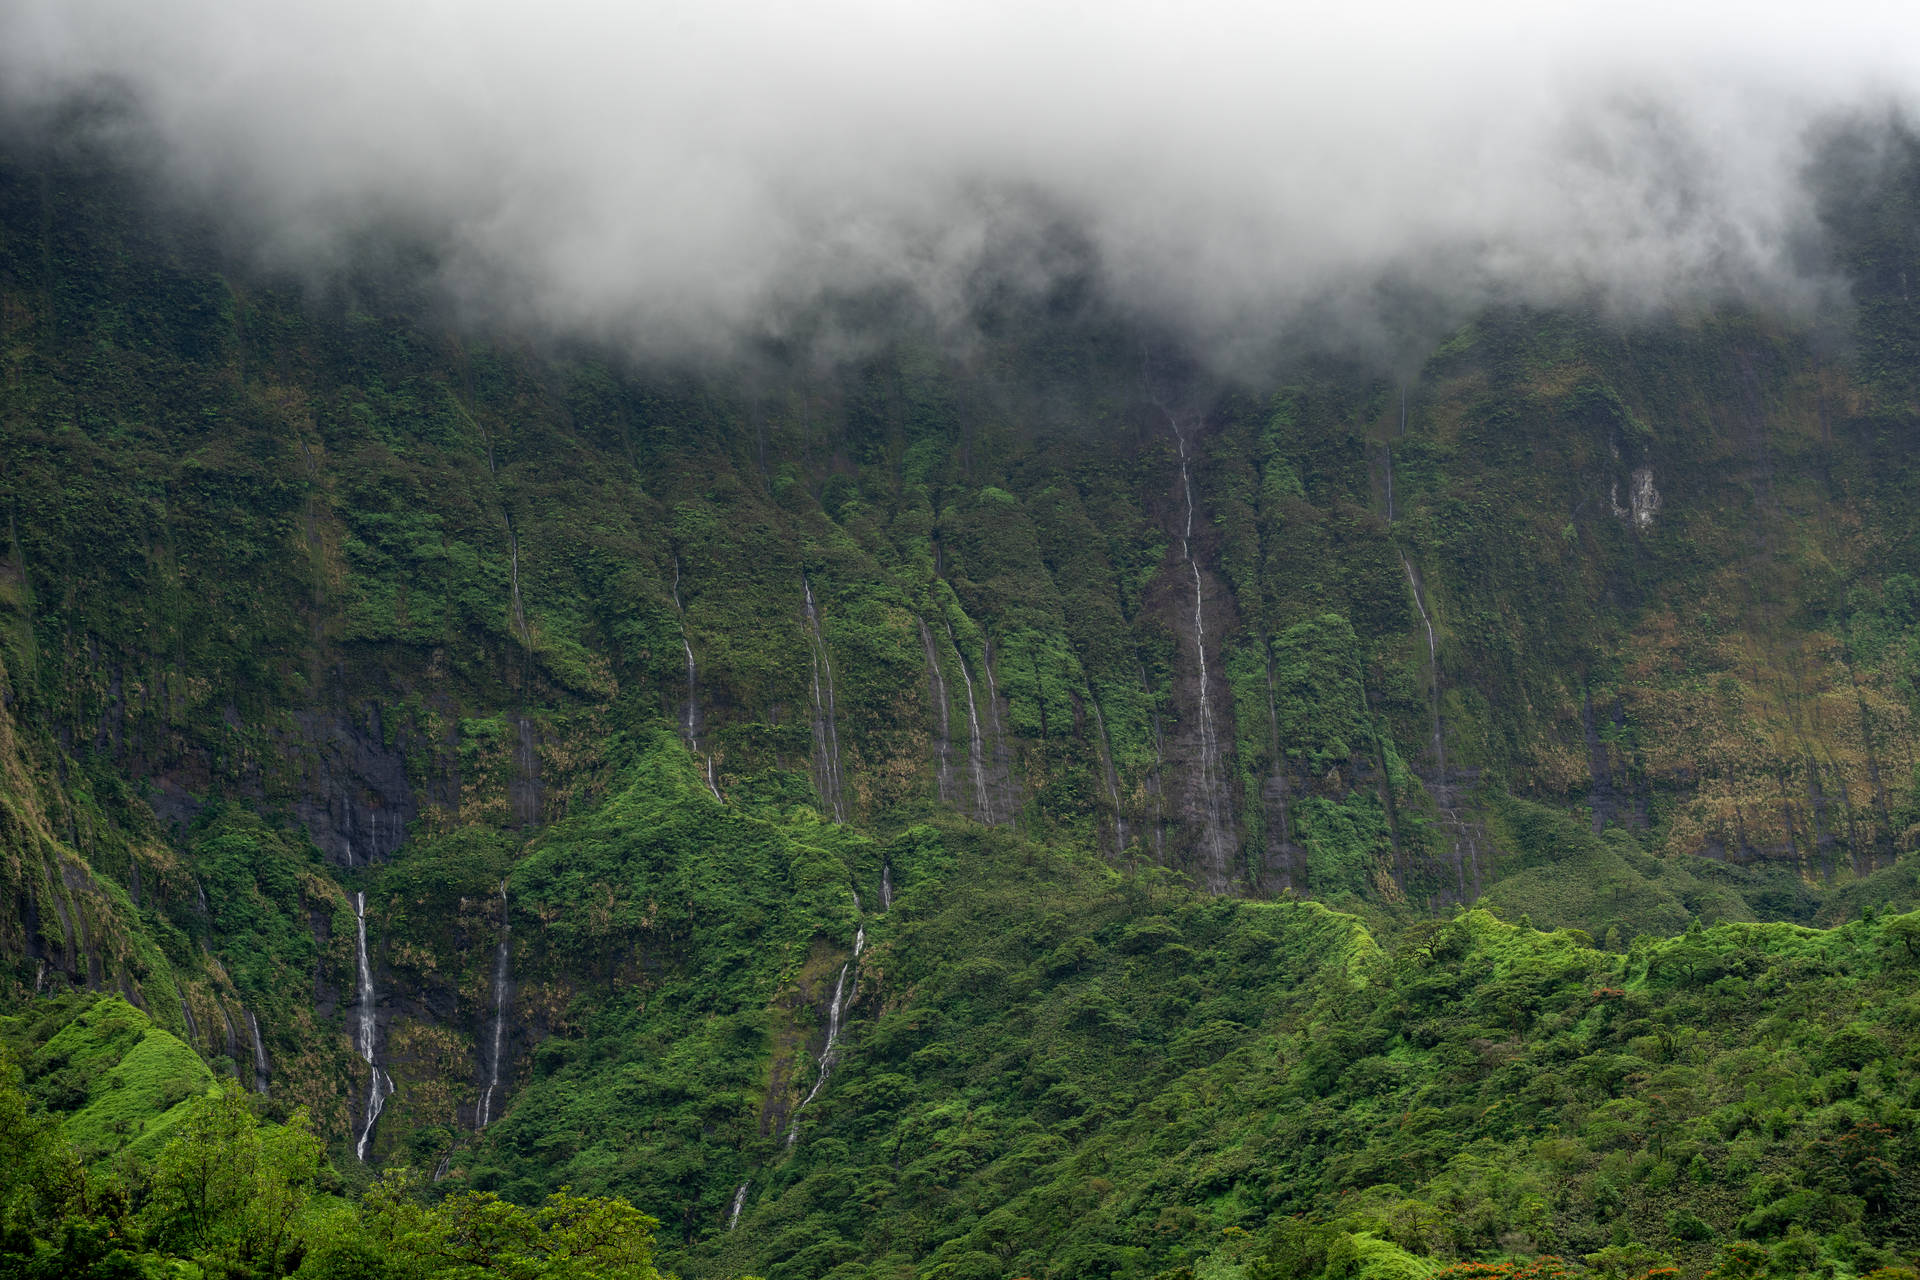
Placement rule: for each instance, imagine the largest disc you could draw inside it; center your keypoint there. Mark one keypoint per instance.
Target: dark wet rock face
(357, 800)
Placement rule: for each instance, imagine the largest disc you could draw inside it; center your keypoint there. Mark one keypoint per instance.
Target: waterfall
(1002, 772)
(943, 743)
(830, 1052)
(233, 1042)
(519, 612)
(886, 886)
(1388, 450)
(739, 1203)
(690, 711)
(1433, 664)
(1112, 779)
(826, 736)
(260, 1071)
(379, 1087)
(500, 959)
(1443, 790)
(1214, 842)
(1207, 746)
(983, 798)
(193, 1030)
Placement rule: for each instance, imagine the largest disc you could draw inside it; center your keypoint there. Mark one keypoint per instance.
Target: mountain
(1010, 803)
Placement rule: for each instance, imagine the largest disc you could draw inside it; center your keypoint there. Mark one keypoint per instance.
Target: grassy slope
(117, 1082)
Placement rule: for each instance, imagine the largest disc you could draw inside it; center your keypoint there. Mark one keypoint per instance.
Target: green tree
(229, 1193)
(476, 1235)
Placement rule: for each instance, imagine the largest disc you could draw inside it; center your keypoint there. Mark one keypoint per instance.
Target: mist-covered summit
(676, 178)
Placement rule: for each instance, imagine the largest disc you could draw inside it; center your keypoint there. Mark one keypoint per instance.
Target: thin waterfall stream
(836, 1013)
(261, 1073)
(1443, 782)
(1387, 448)
(975, 756)
(826, 734)
(739, 1203)
(1002, 766)
(233, 1042)
(519, 610)
(501, 960)
(379, 1087)
(1216, 842)
(1207, 744)
(943, 744)
(1214, 839)
(1433, 662)
(1155, 779)
(1111, 777)
(690, 711)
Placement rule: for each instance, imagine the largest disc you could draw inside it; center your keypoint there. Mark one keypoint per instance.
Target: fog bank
(678, 176)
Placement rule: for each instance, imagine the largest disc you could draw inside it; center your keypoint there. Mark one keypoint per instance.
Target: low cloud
(678, 176)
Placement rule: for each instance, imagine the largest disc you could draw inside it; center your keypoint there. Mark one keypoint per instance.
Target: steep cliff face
(304, 595)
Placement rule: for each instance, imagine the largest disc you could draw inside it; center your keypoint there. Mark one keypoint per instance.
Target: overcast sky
(677, 174)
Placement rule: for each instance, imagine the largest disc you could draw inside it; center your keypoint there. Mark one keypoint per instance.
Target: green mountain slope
(610, 704)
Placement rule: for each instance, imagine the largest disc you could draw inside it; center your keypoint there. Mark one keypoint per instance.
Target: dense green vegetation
(1562, 833)
(1060, 1069)
(226, 1196)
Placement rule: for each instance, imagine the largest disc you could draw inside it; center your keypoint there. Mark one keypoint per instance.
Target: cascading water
(830, 1051)
(1002, 769)
(1388, 450)
(501, 955)
(976, 758)
(261, 1071)
(233, 1042)
(1155, 783)
(1433, 662)
(739, 1203)
(379, 1087)
(943, 742)
(1443, 790)
(690, 711)
(826, 735)
(1214, 842)
(1112, 779)
(519, 610)
(886, 886)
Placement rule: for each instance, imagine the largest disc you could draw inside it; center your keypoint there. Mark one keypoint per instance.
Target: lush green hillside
(1152, 734)
(1055, 1068)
